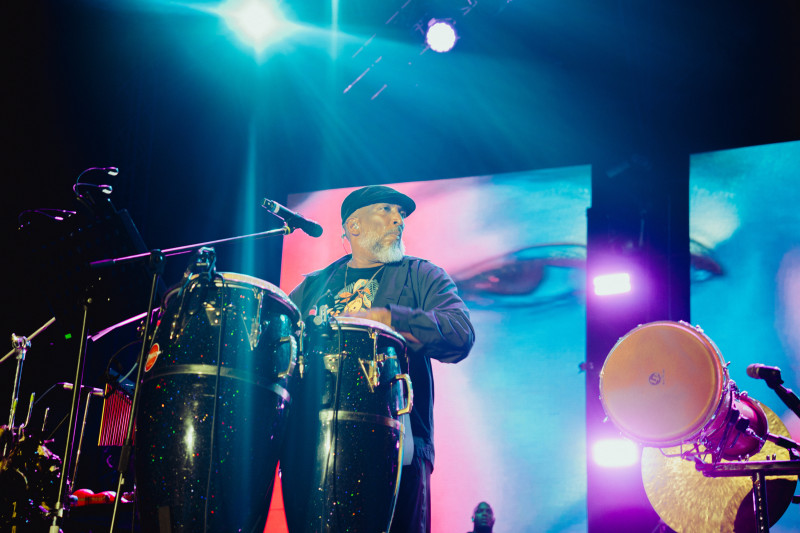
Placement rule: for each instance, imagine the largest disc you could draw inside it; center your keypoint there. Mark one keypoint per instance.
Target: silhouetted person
(482, 518)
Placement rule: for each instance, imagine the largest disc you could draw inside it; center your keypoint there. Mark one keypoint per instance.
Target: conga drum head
(243, 281)
(662, 383)
(363, 324)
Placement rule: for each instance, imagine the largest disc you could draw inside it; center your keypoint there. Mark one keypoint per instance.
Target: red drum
(344, 448)
(214, 404)
(665, 383)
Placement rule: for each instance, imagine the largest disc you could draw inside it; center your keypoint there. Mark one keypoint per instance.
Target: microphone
(111, 171)
(767, 373)
(105, 189)
(292, 219)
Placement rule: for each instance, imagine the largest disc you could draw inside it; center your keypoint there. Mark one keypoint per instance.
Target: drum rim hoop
(268, 287)
(357, 324)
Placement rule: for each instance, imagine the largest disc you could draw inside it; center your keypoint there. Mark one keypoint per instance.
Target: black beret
(375, 194)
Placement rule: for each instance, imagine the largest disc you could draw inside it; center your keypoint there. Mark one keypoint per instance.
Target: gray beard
(384, 253)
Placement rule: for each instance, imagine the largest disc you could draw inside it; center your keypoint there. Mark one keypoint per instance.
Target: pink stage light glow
(615, 453)
(612, 284)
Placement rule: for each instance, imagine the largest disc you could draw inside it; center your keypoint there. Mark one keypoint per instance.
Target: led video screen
(745, 243)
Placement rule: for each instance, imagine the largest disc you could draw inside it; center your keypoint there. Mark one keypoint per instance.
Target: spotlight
(615, 453)
(256, 23)
(612, 284)
(441, 35)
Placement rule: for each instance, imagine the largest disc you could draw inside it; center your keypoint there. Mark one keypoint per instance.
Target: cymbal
(688, 502)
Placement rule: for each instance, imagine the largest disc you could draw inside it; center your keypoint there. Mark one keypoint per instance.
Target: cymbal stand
(20, 347)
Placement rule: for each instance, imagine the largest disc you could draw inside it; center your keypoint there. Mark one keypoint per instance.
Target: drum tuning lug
(585, 366)
(331, 362)
(371, 373)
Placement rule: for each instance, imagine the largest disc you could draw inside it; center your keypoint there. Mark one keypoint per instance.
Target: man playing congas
(415, 298)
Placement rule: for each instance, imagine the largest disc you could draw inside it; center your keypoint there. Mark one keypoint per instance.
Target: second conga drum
(214, 404)
(344, 448)
(665, 383)
(662, 383)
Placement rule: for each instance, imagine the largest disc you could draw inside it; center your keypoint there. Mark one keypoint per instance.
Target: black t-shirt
(351, 290)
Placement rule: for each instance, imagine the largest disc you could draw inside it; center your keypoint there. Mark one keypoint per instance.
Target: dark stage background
(202, 132)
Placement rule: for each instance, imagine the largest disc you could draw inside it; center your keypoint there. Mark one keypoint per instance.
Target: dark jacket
(424, 302)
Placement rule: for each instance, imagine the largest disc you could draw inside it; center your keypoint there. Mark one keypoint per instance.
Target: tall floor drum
(344, 448)
(214, 405)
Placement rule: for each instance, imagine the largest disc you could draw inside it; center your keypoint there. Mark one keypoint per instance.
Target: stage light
(256, 23)
(612, 284)
(441, 35)
(615, 453)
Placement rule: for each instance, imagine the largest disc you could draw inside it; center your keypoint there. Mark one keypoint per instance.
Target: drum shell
(214, 405)
(354, 488)
(663, 383)
(732, 444)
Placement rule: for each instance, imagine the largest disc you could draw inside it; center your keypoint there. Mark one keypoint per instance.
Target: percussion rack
(758, 472)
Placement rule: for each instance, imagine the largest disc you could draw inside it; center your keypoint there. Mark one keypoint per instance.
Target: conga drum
(665, 384)
(214, 405)
(344, 449)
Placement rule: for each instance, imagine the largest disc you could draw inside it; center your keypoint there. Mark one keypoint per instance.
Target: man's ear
(353, 227)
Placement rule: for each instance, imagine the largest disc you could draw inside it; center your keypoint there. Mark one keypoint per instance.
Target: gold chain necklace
(347, 269)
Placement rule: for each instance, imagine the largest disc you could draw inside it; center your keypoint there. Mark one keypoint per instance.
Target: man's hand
(384, 316)
(378, 314)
